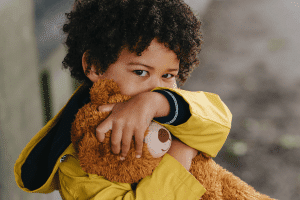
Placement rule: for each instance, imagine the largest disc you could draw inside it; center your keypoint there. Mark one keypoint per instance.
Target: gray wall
(20, 100)
(250, 57)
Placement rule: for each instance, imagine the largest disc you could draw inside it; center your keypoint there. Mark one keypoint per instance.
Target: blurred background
(250, 58)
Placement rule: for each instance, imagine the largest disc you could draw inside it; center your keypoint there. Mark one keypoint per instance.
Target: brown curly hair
(102, 28)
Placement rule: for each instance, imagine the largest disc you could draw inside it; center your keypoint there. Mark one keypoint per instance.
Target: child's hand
(131, 118)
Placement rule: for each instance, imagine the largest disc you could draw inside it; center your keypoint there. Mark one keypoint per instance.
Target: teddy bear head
(97, 158)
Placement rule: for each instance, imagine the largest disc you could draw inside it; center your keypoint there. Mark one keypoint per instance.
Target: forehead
(156, 54)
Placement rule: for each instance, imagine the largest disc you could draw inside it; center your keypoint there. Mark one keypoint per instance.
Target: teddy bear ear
(102, 90)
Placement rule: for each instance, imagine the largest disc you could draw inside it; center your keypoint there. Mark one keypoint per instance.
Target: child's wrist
(160, 104)
(157, 103)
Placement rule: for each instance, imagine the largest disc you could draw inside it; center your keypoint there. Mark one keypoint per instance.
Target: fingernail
(122, 158)
(138, 156)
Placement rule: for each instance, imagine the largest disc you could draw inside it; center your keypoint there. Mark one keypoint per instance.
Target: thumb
(106, 108)
(103, 128)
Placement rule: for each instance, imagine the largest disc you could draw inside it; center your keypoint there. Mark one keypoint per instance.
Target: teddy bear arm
(220, 183)
(235, 188)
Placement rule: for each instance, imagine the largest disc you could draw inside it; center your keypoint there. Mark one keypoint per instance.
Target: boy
(142, 45)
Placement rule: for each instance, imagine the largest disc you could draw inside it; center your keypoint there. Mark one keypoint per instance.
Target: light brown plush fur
(97, 158)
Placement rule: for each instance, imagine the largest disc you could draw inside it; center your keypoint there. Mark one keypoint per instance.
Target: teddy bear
(97, 158)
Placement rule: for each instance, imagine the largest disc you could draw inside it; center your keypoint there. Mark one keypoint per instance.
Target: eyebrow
(135, 63)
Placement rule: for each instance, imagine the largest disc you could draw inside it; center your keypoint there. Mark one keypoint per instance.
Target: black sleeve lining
(183, 109)
(40, 162)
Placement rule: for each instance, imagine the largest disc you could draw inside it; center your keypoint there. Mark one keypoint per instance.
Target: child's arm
(131, 118)
(170, 180)
(206, 129)
(182, 153)
(208, 120)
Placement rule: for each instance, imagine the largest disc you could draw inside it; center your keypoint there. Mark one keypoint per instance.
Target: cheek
(172, 84)
(129, 89)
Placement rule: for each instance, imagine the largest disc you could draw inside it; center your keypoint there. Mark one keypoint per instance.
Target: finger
(116, 136)
(126, 140)
(106, 108)
(103, 128)
(139, 137)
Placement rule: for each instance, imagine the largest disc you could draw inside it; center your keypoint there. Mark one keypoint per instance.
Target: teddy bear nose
(163, 135)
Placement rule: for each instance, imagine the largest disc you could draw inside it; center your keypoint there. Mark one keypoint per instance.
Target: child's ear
(92, 75)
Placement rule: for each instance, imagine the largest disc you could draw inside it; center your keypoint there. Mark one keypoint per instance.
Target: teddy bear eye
(163, 135)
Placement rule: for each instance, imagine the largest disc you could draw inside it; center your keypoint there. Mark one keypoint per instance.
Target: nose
(154, 82)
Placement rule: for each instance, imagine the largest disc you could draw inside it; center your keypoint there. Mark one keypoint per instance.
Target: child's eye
(140, 72)
(171, 75)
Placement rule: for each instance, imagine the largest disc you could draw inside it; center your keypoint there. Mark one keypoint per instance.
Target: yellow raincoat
(49, 161)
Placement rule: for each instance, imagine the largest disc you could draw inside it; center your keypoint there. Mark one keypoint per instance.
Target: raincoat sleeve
(169, 181)
(207, 128)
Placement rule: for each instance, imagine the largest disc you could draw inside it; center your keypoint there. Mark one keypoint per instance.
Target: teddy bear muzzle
(158, 140)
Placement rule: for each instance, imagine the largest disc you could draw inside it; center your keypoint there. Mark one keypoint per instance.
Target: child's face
(133, 76)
